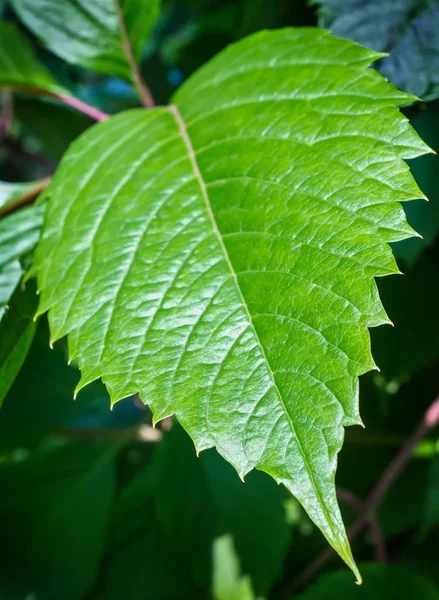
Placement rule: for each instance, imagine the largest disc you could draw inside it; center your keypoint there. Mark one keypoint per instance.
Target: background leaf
(198, 499)
(406, 29)
(32, 410)
(18, 65)
(219, 244)
(16, 334)
(380, 582)
(228, 584)
(19, 232)
(59, 498)
(89, 33)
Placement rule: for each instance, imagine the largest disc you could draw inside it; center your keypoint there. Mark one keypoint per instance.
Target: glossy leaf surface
(18, 65)
(90, 33)
(218, 256)
(19, 233)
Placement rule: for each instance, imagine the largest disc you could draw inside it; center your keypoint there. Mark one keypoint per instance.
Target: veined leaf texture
(217, 256)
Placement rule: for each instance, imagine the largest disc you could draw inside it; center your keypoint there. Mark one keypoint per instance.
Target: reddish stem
(142, 88)
(6, 114)
(83, 107)
(367, 516)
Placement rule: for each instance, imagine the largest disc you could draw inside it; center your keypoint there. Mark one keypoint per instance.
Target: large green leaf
(19, 233)
(406, 29)
(89, 33)
(18, 65)
(218, 256)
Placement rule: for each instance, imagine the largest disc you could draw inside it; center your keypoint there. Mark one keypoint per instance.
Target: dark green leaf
(380, 583)
(198, 499)
(17, 331)
(430, 516)
(41, 400)
(402, 350)
(406, 29)
(424, 217)
(140, 562)
(54, 512)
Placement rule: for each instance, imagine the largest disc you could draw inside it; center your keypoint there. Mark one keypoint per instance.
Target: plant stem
(83, 107)
(142, 88)
(367, 516)
(6, 114)
(27, 198)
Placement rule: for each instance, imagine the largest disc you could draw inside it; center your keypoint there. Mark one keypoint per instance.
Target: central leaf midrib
(192, 157)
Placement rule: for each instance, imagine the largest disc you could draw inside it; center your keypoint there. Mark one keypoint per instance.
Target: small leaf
(89, 33)
(218, 256)
(17, 331)
(407, 31)
(380, 583)
(18, 65)
(19, 233)
(228, 584)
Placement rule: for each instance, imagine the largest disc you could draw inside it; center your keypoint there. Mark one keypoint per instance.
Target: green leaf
(139, 557)
(406, 30)
(17, 331)
(18, 65)
(404, 349)
(228, 583)
(19, 233)
(211, 502)
(380, 583)
(11, 191)
(218, 256)
(424, 217)
(51, 405)
(55, 512)
(91, 34)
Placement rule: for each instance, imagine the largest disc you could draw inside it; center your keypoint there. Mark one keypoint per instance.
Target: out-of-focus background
(97, 505)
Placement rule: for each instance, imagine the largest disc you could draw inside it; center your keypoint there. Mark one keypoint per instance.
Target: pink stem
(86, 109)
(367, 516)
(378, 541)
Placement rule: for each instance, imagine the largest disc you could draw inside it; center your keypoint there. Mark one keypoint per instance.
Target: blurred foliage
(89, 509)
